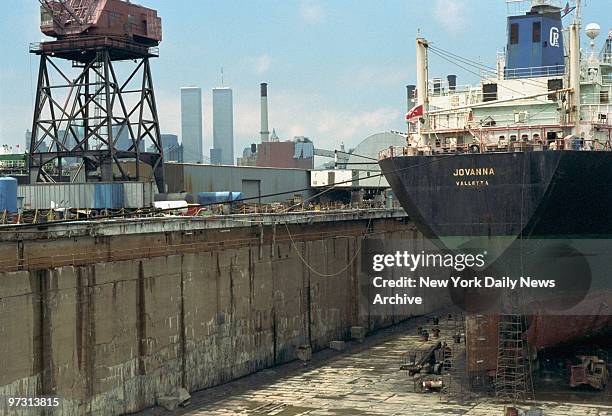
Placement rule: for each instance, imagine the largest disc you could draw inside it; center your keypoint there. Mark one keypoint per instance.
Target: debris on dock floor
(365, 379)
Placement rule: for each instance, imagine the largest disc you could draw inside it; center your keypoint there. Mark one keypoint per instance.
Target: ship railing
(438, 87)
(606, 79)
(391, 151)
(597, 114)
(520, 7)
(523, 119)
(568, 143)
(571, 143)
(605, 57)
(537, 71)
(602, 98)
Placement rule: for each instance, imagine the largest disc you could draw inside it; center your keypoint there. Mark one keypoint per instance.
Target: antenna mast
(574, 70)
(578, 15)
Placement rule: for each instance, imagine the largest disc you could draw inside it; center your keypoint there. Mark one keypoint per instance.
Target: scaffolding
(455, 360)
(513, 377)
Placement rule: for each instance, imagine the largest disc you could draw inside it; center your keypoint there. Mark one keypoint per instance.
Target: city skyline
(337, 73)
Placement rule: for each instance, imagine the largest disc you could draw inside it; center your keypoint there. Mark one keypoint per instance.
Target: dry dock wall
(109, 334)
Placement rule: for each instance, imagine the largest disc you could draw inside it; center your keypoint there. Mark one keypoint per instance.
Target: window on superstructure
(554, 85)
(489, 92)
(514, 34)
(604, 97)
(537, 32)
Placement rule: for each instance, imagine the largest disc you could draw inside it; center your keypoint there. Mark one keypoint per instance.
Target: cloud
(312, 13)
(451, 15)
(313, 117)
(377, 76)
(260, 64)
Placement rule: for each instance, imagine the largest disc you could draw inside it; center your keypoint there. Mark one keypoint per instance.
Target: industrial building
(191, 124)
(253, 182)
(124, 142)
(223, 127)
(297, 153)
(173, 151)
(358, 165)
(95, 196)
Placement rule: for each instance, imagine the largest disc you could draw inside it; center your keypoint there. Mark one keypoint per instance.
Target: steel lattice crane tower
(95, 114)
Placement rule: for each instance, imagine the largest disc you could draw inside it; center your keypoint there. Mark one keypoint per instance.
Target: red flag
(414, 114)
(567, 10)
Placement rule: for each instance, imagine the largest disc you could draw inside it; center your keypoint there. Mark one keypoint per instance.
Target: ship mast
(574, 68)
(422, 69)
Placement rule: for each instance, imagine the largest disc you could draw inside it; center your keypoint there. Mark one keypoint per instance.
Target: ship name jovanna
(474, 176)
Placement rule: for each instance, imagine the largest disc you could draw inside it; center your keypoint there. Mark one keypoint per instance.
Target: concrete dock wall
(111, 336)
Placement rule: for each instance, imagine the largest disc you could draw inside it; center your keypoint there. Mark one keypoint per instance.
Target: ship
(526, 154)
(519, 153)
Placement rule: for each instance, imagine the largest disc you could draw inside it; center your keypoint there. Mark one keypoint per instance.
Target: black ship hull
(532, 194)
(550, 197)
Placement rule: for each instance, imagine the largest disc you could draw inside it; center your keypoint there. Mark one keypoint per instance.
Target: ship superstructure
(544, 93)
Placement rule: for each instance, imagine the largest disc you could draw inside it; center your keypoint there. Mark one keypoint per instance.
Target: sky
(336, 69)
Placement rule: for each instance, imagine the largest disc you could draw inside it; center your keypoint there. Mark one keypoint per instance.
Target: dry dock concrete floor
(365, 379)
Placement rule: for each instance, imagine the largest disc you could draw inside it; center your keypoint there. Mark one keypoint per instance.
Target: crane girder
(80, 11)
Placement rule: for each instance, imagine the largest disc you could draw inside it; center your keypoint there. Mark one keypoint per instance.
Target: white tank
(592, 30)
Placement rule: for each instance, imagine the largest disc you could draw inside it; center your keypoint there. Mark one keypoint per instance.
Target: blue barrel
(8, 194)
(108, 196)
(576, 143)
(207, 198)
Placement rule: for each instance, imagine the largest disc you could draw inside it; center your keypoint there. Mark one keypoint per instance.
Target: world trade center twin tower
(222, 152)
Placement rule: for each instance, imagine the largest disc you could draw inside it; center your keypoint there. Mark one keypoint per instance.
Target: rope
(312, 270)
(305, 262)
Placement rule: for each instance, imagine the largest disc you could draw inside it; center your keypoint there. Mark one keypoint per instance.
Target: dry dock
(109, 316)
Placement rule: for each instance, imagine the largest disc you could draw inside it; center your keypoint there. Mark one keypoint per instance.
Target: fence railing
(538, 71)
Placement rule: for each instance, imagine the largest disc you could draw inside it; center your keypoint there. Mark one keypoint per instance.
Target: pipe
(574, 75)
(265, 133)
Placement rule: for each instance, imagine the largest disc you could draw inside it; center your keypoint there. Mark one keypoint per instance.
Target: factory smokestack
(265, 134)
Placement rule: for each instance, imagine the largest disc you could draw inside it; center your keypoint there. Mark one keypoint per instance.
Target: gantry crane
(93, 125)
